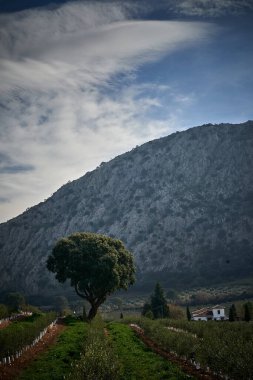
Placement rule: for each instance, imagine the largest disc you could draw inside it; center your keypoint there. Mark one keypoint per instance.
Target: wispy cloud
(64, 109)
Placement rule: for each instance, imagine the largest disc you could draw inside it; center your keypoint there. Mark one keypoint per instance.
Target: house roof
(206, 311)
(202, 312)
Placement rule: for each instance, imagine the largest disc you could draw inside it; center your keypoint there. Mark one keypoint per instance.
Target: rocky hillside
(183, 204)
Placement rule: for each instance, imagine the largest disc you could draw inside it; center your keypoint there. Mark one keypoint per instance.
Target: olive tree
(96, 265)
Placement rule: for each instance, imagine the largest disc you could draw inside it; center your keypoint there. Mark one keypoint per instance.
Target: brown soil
(13, 370)
(185, 365)
(4, 324)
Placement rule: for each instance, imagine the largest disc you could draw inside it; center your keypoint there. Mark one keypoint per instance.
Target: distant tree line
(248, 312)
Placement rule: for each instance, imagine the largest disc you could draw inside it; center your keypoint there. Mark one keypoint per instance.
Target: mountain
(183, 204)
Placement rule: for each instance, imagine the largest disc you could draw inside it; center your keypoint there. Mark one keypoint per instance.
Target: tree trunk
(93, 311)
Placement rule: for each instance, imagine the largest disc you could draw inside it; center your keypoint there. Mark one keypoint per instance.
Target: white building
(214, 313)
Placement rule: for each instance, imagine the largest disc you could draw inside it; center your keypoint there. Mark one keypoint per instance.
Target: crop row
(113, 352)
(98, 360)
(225, 348)
(56, 361)
(242, 329)
(19, 334)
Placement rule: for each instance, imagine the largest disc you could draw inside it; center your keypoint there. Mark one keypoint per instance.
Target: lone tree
(188, 313)
(95, 264)
(232, 313)
(248, 311)
(157, 307)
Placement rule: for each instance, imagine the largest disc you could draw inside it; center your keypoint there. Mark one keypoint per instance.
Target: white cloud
(63, 111)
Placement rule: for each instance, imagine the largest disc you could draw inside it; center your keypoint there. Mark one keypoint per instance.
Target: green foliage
(56, 362)
(159, 305)
(96, 265)
(146, 308)
(33, 309)
(188, 314)
(3, 311)
(19, 334)
(176, 312)
(223, 347)
(99, 360)
(248, 311)
(137, 360)
(14, 301)
(149, 314)
(181, 343)
(232, 313)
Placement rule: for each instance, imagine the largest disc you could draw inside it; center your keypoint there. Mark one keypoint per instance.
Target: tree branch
(85, 295)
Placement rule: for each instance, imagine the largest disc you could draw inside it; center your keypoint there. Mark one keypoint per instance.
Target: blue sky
(83, 81)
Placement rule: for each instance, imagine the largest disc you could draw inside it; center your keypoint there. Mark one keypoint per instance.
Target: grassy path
(139, 362)
(55, 362)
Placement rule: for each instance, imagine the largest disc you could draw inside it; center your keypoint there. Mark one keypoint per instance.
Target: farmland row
(101, 351)
(224, 348)
(17, 336)
(97, 351)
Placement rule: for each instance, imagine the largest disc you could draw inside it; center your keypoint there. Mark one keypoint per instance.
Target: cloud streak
(64, 108)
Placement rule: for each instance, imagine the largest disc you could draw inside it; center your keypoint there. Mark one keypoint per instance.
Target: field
(56, 362)
(112, 350)
(20, 334)
(225, 348)
(137, 360)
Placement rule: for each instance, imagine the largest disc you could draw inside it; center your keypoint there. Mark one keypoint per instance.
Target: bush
(98, 361)
(3, 311)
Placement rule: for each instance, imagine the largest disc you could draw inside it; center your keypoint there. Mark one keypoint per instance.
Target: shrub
(98, 360)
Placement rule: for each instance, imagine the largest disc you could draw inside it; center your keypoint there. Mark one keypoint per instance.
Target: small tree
(149, 315)
(14, 301)
(188, 313)
(96, 265)
(248, 311)
(3, 311)
(232, 314)
(159, 305)
(146, 308)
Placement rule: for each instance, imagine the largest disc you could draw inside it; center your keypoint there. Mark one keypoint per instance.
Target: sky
(84, 81)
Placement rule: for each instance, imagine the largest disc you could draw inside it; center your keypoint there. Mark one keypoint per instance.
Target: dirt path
(13, 370)
(4, 324)
(185, 365)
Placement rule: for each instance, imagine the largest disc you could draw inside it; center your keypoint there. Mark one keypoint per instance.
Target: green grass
(56, 361)
(222, 346)
(99, 360)
(21, 333)
(138, 361)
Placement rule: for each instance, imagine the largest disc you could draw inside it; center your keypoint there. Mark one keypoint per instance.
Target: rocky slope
(183, 204)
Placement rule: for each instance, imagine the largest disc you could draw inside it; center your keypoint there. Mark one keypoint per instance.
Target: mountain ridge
(182, 203)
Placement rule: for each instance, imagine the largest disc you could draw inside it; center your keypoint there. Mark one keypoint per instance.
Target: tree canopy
(159, 305)
(96, 265)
